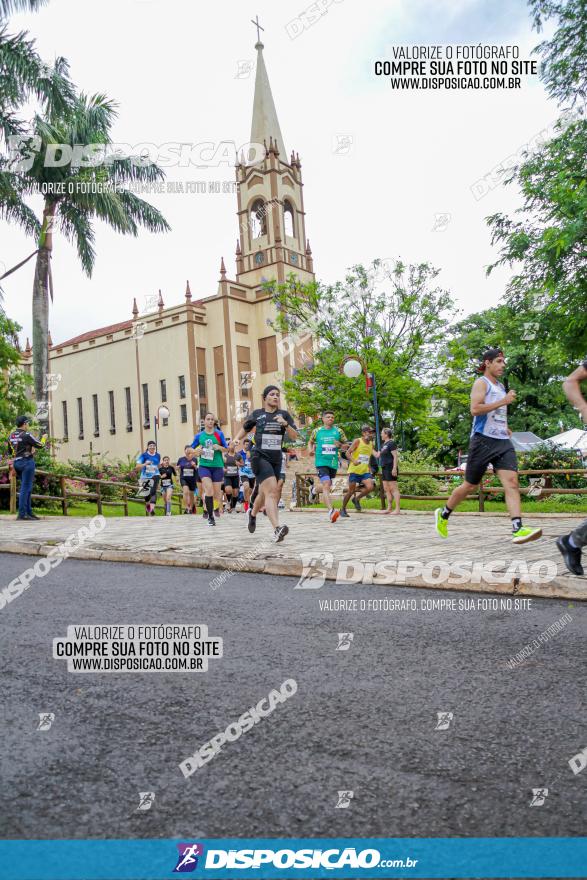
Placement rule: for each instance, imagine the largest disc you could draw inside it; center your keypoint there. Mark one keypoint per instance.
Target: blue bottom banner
(305, 858)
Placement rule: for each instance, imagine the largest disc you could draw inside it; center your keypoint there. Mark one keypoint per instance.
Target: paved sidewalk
(351, 550)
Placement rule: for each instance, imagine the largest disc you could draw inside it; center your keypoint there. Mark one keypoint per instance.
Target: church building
(216, 354)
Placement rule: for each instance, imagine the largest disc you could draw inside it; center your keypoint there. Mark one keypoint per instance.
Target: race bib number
(363, 459)
(271, 442)
(328, 449)
(207, 453)
(151, 470)
(188, 472)
(231, 471)
(166, 483)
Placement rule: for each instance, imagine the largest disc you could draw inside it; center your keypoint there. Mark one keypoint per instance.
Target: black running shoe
(571, 555)
(356, 504)
(33, 516)
(211, 521)
(252, 523)
(343, 513)
(280, 533)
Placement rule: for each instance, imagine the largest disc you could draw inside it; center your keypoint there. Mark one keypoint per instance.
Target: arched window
(258, 219)
(288, 219)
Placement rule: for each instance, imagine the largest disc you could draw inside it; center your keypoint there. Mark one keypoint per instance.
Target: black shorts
(263, 468)
(190, 482)
(231, 480)
(484, 451)
(386, 474)
(326, 473)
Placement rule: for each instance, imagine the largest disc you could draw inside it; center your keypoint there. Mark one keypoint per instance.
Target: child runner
(490, 444)
(150, 461)
(231, 480)
(167, 472)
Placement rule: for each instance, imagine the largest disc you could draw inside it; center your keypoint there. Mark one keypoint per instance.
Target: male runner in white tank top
(490, 444)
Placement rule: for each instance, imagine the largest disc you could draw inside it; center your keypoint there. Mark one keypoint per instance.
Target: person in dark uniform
(23, 444)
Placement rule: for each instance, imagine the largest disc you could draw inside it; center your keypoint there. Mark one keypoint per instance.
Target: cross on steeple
(258, 26)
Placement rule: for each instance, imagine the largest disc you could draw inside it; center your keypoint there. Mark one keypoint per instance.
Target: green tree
(14, 383)
(546, 242)
(393, 316)
(76, 194)
(535, 370)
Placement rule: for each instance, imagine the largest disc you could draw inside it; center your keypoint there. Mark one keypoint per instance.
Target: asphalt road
(362, 720)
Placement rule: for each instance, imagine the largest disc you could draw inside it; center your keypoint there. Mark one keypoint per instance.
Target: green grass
(88, 508)
(528, 507)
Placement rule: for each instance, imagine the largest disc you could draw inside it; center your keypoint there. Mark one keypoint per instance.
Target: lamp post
(352, 366)
(163, 413)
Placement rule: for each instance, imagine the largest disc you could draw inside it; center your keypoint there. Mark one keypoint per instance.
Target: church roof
(92, 334)
(265, 123)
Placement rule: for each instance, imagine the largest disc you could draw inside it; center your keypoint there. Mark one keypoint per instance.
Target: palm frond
(77, 228)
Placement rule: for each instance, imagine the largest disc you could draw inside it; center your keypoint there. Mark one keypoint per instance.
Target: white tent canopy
(573, 439)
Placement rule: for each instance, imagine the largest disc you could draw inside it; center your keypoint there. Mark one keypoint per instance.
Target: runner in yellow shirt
(361, 479)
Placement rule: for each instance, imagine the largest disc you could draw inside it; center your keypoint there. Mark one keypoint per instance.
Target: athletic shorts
(165, 488)
(231, 480)
(386, 474)
(190, 482)
(326, 473)
(358, 478)
(263, 468)
(216, 474)
(154, 486)
(484, 451)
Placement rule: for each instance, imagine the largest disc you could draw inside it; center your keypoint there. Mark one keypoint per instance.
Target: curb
(562, 587)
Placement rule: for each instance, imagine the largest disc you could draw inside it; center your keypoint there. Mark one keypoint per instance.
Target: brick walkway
(406, 544)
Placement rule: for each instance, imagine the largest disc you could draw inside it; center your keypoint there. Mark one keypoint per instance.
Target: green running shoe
(523, 535)
(441, 523)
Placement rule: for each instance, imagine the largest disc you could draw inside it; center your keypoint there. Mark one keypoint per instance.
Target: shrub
(418, 460)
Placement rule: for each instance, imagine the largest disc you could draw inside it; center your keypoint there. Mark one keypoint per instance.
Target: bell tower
(272, 222)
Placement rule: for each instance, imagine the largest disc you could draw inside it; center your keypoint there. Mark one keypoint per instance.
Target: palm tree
(10, 7)
(75, 196)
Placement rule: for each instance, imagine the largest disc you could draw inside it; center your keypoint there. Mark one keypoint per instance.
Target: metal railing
(485, 491)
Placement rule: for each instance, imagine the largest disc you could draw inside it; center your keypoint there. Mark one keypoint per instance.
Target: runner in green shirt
(324, 445)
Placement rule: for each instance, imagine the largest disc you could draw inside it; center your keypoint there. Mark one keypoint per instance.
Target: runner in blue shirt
(150, 461)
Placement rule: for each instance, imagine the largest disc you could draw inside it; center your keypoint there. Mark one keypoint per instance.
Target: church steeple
(272, 220)
(265, 125)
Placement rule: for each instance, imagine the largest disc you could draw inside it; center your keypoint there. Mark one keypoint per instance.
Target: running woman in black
(167, 472)
(389, 473)
(570, 545)
(188, 466)
(271, 424)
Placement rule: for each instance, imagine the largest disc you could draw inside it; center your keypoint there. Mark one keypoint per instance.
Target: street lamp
(163, 413)
(352, 366)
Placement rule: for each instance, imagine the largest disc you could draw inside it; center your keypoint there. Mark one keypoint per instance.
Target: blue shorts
(358, 478)
(325, 473)
(215, 474)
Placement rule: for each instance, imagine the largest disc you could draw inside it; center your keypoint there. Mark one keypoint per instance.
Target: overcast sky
(176, 69)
